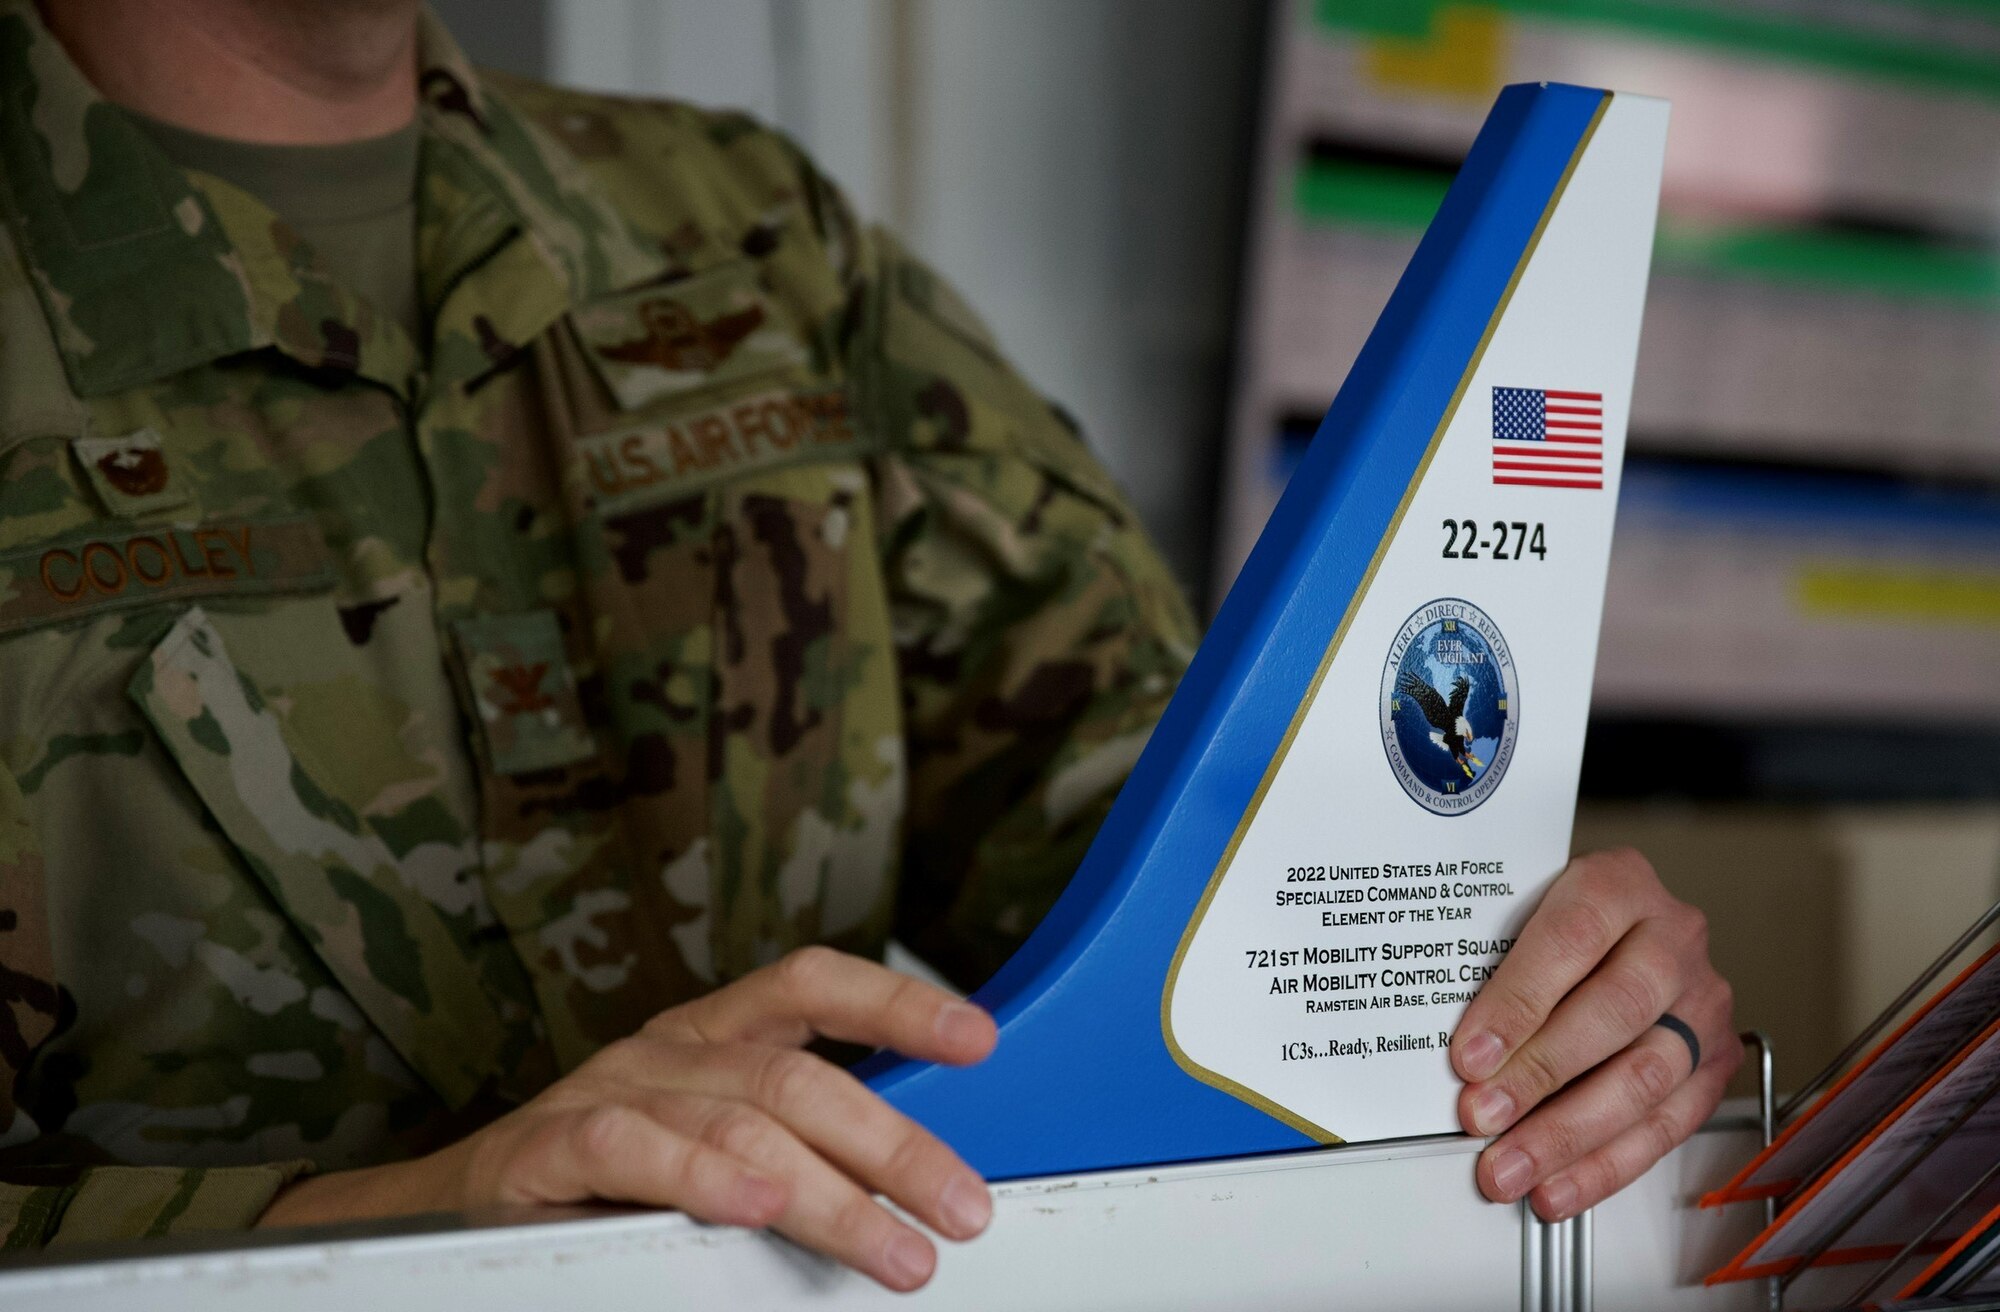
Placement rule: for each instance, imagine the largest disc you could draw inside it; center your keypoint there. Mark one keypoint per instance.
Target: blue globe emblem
(1450, 706)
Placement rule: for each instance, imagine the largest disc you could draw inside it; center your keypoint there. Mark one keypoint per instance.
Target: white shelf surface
(1396, 1226)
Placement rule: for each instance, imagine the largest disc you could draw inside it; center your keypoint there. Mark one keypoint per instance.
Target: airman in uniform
(453, 698)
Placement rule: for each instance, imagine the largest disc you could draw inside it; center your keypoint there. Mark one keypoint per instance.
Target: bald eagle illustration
(1450, 730)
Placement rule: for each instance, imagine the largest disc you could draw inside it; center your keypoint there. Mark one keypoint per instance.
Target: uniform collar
(144, 270)
(492, 170)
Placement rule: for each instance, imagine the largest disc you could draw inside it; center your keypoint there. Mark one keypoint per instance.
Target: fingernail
(1492, 1111)
(763, 1199)
(1559, 1198)
(962, 1025)
(909, 1260)
(1511, 1171)
(1480, 1056)
(966, 1205)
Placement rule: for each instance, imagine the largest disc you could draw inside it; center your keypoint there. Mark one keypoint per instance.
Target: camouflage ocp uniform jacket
(386, 726)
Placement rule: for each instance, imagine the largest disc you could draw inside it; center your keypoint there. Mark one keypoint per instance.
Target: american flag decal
(1544, 438)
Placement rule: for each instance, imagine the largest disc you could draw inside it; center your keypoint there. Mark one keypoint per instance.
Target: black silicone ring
(1686, 1031)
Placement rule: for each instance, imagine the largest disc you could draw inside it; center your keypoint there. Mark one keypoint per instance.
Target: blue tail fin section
(1084, 1076)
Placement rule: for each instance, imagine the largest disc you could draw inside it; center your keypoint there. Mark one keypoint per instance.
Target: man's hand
(1560, 1050)
(714, 1109)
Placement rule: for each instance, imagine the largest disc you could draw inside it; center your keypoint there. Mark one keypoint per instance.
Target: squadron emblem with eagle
(1449, 727)
(1450, 708)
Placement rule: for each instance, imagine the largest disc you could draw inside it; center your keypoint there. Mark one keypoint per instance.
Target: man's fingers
(1632, 1154)
(1587, 910)
(820, 991)
(619, 1153)
(1629, 1090)
(1616, 1096)
(1614, 1005)
(824, 1210)
(839, 1118)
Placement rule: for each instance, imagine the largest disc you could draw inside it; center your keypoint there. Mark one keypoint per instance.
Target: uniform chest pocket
(726, 544)
(743, 631)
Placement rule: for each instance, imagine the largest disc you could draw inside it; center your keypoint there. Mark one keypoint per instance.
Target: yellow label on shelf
(1464, 54)
(1905, 593)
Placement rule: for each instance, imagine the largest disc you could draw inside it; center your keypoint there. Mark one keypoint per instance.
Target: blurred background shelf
(1782, 594)
(1829, 344)
(1826, 291)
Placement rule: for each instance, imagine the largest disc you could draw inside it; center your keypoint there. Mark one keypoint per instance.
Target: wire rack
(1772, 1115)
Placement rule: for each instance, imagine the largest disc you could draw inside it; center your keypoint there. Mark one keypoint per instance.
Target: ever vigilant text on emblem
(1450, 706)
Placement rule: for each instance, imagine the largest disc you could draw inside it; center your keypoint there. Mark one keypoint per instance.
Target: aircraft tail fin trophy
(1368, 776)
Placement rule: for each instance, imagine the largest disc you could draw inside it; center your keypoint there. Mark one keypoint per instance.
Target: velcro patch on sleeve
(84, 574)
(529, 715)
(131, 473)
(665, 340)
